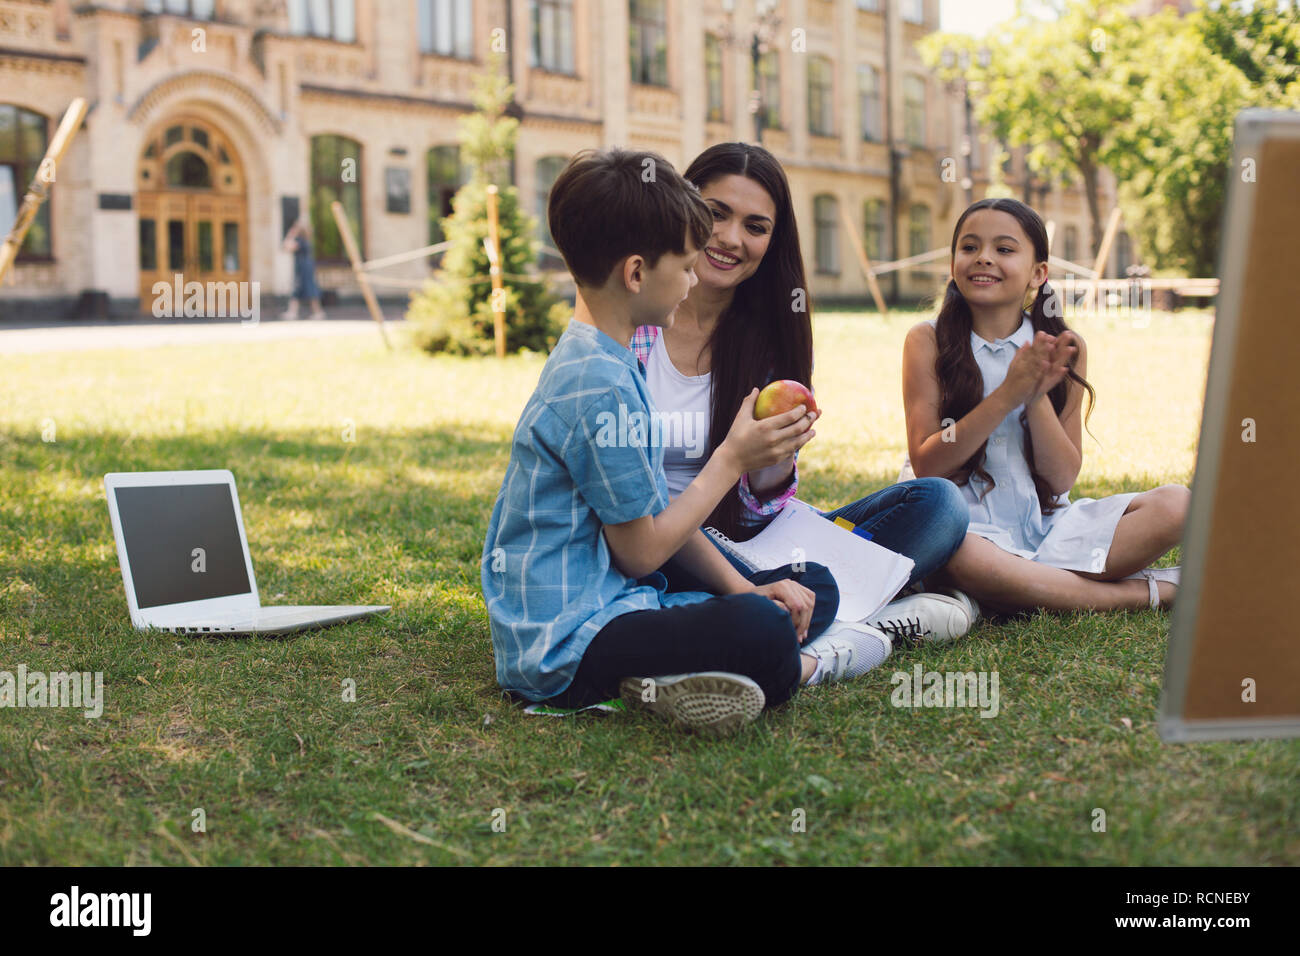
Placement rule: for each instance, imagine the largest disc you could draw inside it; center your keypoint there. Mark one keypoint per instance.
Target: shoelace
(907, 629)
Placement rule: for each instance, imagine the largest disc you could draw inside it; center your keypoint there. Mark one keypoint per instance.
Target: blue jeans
(924, 519)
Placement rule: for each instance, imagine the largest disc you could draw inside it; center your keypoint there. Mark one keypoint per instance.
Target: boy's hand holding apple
(754, 442)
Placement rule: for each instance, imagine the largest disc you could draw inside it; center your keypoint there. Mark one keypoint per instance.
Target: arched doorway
(193, 207)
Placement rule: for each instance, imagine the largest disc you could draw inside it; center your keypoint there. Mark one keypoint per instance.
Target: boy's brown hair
(609, 204)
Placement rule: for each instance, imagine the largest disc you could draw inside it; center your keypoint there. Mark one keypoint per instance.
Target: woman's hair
(766, 332)
(961, 384)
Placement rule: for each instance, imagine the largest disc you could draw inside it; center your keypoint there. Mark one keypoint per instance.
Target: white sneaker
(972, 606)
(714, 702)
(847, 649)
(929, 617)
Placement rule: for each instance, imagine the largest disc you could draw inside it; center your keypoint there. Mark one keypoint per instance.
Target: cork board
(1235, 631)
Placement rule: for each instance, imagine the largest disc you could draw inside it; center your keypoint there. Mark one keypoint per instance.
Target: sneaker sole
(713, 702)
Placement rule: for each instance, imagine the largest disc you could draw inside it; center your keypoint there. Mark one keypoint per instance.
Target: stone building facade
(213, 123)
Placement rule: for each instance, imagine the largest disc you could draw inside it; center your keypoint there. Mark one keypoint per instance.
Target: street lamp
(759, 42)
(961, 59)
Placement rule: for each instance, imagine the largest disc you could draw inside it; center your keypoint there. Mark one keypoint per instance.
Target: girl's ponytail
(961, 384)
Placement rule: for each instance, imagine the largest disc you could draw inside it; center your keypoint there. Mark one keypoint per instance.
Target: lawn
(368, 477)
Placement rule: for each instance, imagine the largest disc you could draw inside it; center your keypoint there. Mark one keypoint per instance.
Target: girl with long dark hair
(748, 323)
(993, 391)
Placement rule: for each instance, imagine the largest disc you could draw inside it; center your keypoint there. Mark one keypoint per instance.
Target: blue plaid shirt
(576, 464)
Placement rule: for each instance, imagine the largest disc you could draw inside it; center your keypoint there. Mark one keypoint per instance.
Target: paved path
(135, 334)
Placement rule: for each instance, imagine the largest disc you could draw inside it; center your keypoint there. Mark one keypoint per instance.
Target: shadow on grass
(325, 518)
(397, 517)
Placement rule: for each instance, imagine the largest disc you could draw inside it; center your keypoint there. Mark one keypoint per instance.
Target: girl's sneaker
(1154, 575)
(930, 617)
(713, 702)
(847, 649)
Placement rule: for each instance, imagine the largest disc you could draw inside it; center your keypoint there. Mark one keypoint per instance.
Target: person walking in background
(298, 242)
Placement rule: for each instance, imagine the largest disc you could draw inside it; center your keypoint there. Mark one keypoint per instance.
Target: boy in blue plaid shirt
(579, 612)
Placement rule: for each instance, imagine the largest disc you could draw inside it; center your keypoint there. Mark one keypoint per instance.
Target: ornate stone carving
(448, 79)
(329, 61)
(824, 149)
(655, 101)
(202, 83)
(553, 90)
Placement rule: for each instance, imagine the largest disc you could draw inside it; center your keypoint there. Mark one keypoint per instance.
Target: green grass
(256, 733)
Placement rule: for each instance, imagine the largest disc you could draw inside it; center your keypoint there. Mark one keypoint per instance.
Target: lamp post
(961, 59)
(759, 42)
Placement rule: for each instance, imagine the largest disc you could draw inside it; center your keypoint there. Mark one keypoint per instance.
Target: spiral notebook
(868, 575)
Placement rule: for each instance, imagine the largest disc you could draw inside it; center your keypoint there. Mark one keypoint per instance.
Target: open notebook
(867, 575)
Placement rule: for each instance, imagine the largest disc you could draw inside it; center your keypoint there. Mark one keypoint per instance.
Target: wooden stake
(39, 188)
(1103, 252)
(919, 259)
(363, 280)
(494, 264)
(863, 261)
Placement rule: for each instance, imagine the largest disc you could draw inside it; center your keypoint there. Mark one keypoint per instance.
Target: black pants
(815, 577)
(745, 634)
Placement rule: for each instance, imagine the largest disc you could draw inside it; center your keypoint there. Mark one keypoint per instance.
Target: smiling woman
(748, 323)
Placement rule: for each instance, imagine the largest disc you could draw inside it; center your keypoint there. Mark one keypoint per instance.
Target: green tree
(1262, 41)
(1173, 156)
(1060, 87)
(454, 311)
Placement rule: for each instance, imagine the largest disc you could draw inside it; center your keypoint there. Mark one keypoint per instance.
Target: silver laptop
(184, 556)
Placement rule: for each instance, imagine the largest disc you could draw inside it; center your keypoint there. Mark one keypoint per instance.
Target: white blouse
(682, 404)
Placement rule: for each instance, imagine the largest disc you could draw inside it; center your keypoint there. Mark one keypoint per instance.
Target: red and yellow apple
(781, 396)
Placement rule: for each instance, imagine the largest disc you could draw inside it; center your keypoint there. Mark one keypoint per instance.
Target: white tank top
(682, 416)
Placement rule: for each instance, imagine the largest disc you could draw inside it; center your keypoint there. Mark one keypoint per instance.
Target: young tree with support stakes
(454, 312)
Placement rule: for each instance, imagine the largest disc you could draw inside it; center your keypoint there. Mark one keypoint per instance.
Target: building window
(446, 28)
(769, 89)
(914, 109)
(544, 175)
(187, 170)
(648, 41)
(194, 9)
(869, 102)
(446, 175)
(335, 175)
(22, 147)
(826, 212)
(331, 19)
(553, 35)
(821, 106)
(869, 6)
(875, 231)
(918, 231)
(914, 11)
(1071, 243)
(713, 77)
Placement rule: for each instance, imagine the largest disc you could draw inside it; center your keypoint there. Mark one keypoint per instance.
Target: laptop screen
(182, 543)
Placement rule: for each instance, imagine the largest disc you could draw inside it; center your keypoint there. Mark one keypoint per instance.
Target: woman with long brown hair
(747, 323)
